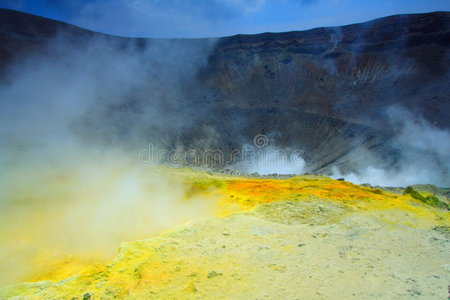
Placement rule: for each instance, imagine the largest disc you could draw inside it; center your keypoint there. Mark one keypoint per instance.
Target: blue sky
(209, 18)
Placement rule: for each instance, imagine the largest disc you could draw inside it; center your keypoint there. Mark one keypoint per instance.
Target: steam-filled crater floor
(304, 237)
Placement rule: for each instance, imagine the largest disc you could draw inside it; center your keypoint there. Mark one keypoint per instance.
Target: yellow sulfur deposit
(306, 237)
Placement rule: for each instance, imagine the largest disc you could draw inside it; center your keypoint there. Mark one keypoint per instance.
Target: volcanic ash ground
(306, 237)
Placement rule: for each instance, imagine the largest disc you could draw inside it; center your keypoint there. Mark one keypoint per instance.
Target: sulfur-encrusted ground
(306, 237)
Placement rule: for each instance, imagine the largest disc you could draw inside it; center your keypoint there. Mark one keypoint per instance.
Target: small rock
(414, 292)
(213, 274)
(191, 287)
(86, 296)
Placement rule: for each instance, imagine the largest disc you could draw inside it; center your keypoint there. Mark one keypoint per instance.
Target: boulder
(429, 194)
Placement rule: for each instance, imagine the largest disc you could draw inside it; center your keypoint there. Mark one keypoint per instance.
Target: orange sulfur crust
(255, 241)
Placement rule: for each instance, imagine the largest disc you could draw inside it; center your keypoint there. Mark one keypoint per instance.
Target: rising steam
(423, 154)
(71, 122)
(74, 117)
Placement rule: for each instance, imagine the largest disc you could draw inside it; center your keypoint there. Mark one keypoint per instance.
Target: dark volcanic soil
(324, 90)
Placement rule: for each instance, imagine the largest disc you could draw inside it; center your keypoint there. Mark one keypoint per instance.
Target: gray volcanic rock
(430, 194)
(324, 90)
(327, 89)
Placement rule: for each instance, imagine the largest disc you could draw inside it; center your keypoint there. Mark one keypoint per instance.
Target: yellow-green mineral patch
(306, 237)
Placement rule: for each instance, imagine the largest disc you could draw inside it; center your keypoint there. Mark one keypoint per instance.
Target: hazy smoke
(265, 158)
(72, 119)
(275, 161)
(423, 154)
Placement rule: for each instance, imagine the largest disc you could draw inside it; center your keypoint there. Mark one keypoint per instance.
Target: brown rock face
(325, 91)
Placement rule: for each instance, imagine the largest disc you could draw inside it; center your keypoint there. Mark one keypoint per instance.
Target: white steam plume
(424, 154)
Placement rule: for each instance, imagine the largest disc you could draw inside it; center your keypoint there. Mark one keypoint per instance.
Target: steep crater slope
(324, 91)
(327, 90)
